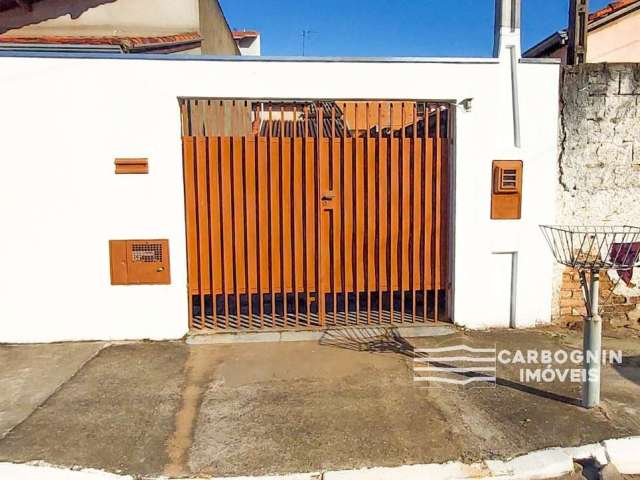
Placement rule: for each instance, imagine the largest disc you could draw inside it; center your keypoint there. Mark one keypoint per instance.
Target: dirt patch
(199, 369)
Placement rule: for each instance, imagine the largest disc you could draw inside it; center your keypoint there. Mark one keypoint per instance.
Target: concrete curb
(624, 453)
(307, 335)
(43, 471)
(547, 463)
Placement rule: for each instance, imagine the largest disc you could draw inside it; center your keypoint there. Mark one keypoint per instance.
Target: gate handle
(328, 196)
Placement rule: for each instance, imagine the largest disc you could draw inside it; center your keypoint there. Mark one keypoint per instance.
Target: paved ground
(346, 402)
(29, 374)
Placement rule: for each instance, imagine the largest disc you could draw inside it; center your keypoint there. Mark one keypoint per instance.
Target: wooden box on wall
(139, 262)
(506, 190)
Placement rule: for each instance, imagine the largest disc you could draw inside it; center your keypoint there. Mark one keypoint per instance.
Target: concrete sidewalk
(345, 402)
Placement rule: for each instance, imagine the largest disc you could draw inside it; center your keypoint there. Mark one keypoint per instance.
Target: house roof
(156, 44)
(611, 9)
(597, 19)
(239, 35)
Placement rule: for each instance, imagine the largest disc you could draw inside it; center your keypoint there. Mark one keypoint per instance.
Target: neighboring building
(598, 181)
(248, 42)
(614, 36)
(123, 26)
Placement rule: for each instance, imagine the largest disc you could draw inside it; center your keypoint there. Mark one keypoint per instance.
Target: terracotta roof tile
(238, 35)
(126, 42)
(611, 8)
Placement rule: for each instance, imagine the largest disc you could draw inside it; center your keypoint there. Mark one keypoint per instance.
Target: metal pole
(514, 289)
(592, 347)
(578, 31)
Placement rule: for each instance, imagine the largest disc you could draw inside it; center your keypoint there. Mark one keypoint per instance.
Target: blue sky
(389, 27)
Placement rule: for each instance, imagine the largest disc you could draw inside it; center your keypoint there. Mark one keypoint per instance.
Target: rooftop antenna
(306, 34)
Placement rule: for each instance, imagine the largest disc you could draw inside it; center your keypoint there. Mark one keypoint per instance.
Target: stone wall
(599, 173)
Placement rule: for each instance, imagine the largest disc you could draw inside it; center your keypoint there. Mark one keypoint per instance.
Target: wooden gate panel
(304, 230)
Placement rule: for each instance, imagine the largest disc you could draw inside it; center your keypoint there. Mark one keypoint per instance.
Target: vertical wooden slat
(270, 213)
(416, 191)
(310, 206)
(274, 224)
(371, 221)
(406, 219)
(286, 222)
(250, 215)
(427, 216)
(325, 229)
(307, 212)
(184, 118)
(209, 119)
(356, 213)
(262, 208)
(191, 219)
(333, 182)
(197, 113)
(383, 215)
(296, 202)
(203, 222)
(379, 218)
(366, 213)
(361, 208)
(344, 184)
(237, 232)
(318, 193)
(403, 209)
(214, 223)
(348, 202)
(220, 118)
(393, 214)
(283, 210)
(444, 218)
(438, 204)
(336, 215)
(226, 224)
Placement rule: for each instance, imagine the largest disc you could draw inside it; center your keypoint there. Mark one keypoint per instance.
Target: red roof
(126, 43)
(611, 8)
(239, 35)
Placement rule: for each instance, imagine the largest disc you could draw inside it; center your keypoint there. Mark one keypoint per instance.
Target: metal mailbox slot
(506, 192)
(139, 262)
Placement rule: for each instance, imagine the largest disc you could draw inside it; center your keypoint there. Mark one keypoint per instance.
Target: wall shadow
(388, 340)
(629, 368)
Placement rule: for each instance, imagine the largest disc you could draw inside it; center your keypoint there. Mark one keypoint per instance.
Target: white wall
(65, 120)
(618, 41)
(249, 46)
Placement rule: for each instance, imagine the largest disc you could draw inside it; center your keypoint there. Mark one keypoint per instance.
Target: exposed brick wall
(599, 173)
(617, 310)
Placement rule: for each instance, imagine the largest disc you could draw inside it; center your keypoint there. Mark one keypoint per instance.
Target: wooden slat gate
(294, 226)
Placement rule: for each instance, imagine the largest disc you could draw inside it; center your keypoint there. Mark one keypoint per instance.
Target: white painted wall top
(66, 119)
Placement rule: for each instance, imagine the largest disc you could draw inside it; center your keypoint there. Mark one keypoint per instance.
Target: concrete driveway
(347, 401)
